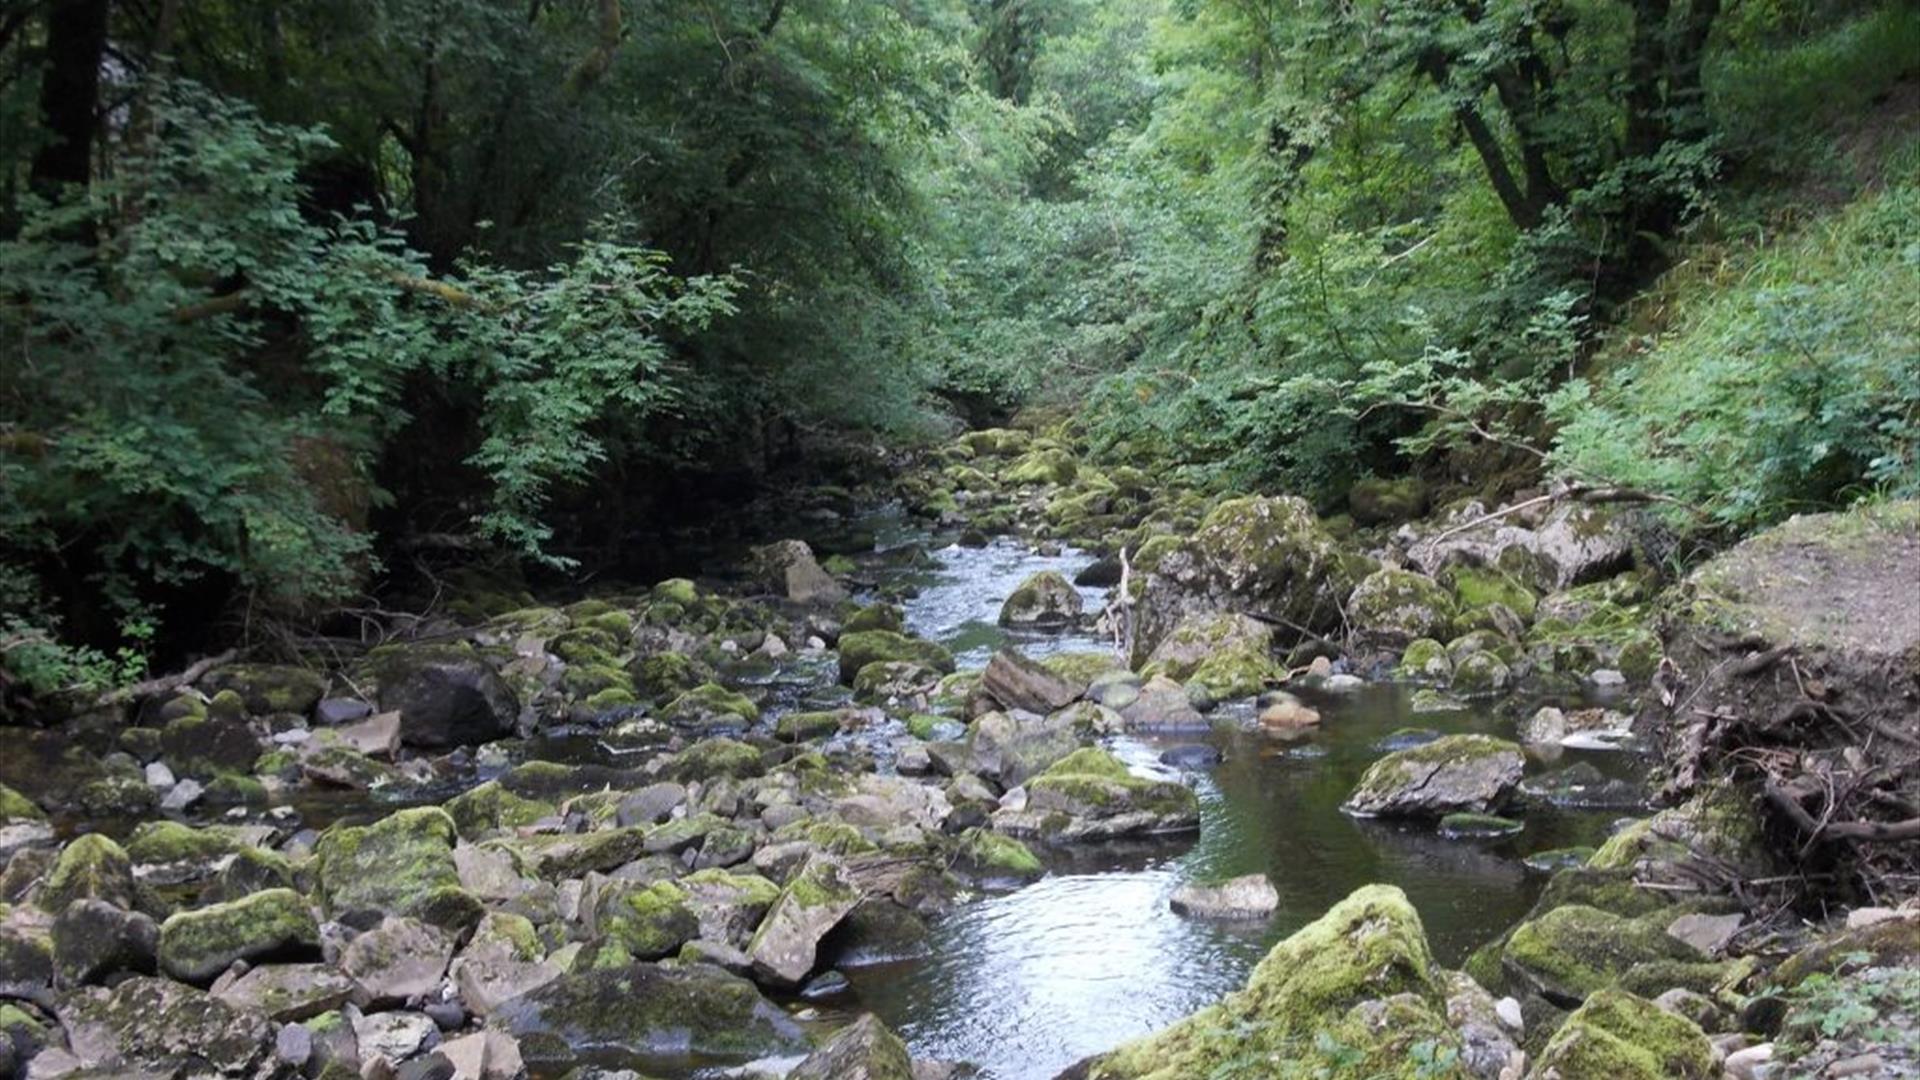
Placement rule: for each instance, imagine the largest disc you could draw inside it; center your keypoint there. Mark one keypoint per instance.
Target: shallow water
(1026, 983)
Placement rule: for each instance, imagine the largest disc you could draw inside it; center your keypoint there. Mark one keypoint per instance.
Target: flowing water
(1025, 983)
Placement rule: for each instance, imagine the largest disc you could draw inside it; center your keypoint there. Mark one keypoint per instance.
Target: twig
(163, 684)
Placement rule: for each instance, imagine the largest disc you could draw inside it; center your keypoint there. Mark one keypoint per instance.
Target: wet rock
(1161, 706)
(1351, 994)
(1191, 756)
(1582, 785)
(1011, 747)
(652, 1010)
(1284, 712)
(897, 684)
(1457, 773)
(1102, 573)
(1617, 1036)
(650, 805)
(647, 922)
(393, 866)
(446, 695)
(993, 859)
(1091, 795)
(1251, 554)
(1043, 601)
(857, 650)
(1251, 896)
(1017, 682)
(196, 946)
(287, 993)
(375, 736)
(787, 568)
(784, 948)
(1207, 636)
(156, 1025)
(1581, 729)
(268, 688)
(863, 1050)
(1461, 826)
(96, 942)
(1572, 951)
(399, 960)
(710, 707)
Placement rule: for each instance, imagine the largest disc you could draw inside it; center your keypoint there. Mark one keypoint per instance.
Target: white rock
(183, 794)
(1707, 933)
(1508, 1010)
(1746, 1064)
(395, 1036)
(158, 775)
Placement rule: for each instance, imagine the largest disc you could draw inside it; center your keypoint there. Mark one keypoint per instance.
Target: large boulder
(1011, 747)
(268, 688)
(863, 1050)
(91, 867)
(787, 568)
(1355, 993)
(651, 1010)
(95, 942)
(1572, 951)
(196, 946)
(446, 695)
(1257, 556)
(1017, 682)
(1570, 544)
(394, 866)
(1617, 1036)
(1229, 654)
(1470, 773)
(1394, 607)
(1045, 600)
(785, 947)
(857, 650)
(1091, 795)
(153, 1026)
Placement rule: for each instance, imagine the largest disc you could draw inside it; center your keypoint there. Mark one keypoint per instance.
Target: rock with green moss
(875, 617)
(1571, 951)
(1456, 773)
(647, 921)
(711, 707)
(1378, 501)
(1268, 555)
(863, 1050)
(275, 924)
(1204, 635)
(559, 856)
(729, 906)
(1425, 660)
(1044, 600)
(1091, 795)
(1480, 674)
(712, 758)
(251, 870)
(447, 695)
(785, 947)
(92, 867)
(788, 569)
(993, 859)
(1617, 1036)
(1011, 747)
(205, 746)
(1355, 993)
(157, 1027)
(650, 1011)
(1717, 823)
(807, 726)
(995, 442)
(268, 688)
(95, 942)
(1477, 587)
(1393, 607)
(392, 866)
(857, 650)
(489, 808)
(896, 682)
(1050, 465)
(664, 676)
(288, 993)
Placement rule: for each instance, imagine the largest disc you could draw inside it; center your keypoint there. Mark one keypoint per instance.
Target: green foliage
(1878, 1007)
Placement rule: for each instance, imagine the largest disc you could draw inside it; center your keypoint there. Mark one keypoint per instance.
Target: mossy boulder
(1206, 635)
(559, 856)
(785, 947)
(15, 807)
(710, 759)
(268, 688)
(647, 921)
(787, 568)
(1354, 993)
(1477, 587)
(205, 746)
(1456, 773)
(446, 695)
(863, 1050)
(150, 1026)
(711, 707)
(875, 617)
(995, 442)
(1425, 660)
(807, 726)
(393, 865)
(664, 676)
(1044, 466)
(1379, 501)
(857, 650)
(489, 808)
(1480, 674)
(196, 946)
(1394, 607)
(164, 842)
(92, 867)
(648, 1011)
(1617, 1036)
(1044, 600)
(1091, 795)
(991, 857)
(1571, 951)
(1267, 555)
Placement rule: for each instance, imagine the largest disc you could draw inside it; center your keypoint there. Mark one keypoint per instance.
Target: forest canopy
(288, 288)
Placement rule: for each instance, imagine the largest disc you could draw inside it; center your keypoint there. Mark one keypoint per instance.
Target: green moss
(1090, 761)
(857, 650)
(227, 705)
(17, 807)
(677, 591)
(490, 807)
(392, 865)
(170, 841)
(875, 617)
(611, 698)
(268, 688)
(997, 855)
(1238, 673)
(651, 922)
(1401, 605)
(195, 946)
(91, 867)
(1425, 660)
(805, 726)
(236, 789)
(711, 758)
(1616, 1036)
(1082, 667)
(1047, 466)
(1352, 994)
(708, 701)
(1480, 586)
(1570, 952)
(666, 675)
(281, 763)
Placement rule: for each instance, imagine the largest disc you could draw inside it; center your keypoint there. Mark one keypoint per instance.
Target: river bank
(684, 827)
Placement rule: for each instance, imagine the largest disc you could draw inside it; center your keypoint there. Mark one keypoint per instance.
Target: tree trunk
(70, 92)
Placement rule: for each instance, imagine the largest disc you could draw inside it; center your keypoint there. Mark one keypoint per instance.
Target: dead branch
(161, 685)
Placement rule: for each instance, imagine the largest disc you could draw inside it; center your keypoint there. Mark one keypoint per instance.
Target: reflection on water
(1024, 984)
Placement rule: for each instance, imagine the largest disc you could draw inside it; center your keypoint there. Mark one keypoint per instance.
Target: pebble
(1508, 1010)
(158, 775)
(1747, 1064)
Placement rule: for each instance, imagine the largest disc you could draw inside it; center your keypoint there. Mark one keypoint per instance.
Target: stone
(816, 898)
(787, 568)
(393, 866)
(397, 961)
(1394, 607)
(393, 1037)
(1581, 729)
(26, 964)
(993, 859)
(1473, 773)
(376, 736)
(1045, 600)
(1091, 795)
(1011, 747)
(1017, 682)
(90, 867)
(650, 805)
(1250, 896)
(651, 1010)
(485, 1055)
(1376, 500)
(288, 993)
(709, 708)
(857, 650)
(267, 688)
(94, 941)
(446, 695)
(196, 946)
(1749, 1063)
(1572, 951)
(153, 1024)
(1285, 712)
(334, 711)
(1617, 1036)
(1708, 934)
(1161, 706)
(1351, 994)
(863, 1050)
